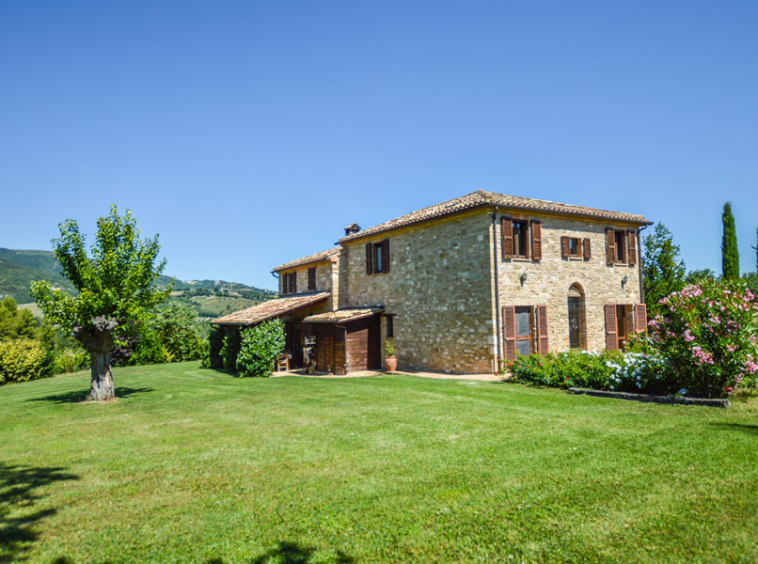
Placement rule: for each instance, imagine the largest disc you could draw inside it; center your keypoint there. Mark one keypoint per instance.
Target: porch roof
(270, 309)
(343, 315)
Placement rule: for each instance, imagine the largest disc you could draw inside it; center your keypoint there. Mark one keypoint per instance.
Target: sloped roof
(270, 309)
(343, 315)
(317, 257)
(482, 199)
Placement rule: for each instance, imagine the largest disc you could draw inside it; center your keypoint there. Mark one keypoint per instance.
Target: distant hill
(209, 298)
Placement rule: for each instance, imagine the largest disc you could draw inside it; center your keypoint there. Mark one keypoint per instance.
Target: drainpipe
(276, 275)
(639, 262)
(497, 290)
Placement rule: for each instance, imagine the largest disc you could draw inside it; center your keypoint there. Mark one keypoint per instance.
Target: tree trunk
(97, 339)
(101, 388)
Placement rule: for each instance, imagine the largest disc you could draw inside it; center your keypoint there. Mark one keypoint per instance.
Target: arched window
(576, 318)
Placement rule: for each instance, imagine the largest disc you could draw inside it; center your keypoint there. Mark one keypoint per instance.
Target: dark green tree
(695, 276)
(16, 323)
(116, 287)
(662, 267)
(730, 256)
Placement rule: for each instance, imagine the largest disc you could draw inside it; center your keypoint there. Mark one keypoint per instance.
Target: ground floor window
(525, 330)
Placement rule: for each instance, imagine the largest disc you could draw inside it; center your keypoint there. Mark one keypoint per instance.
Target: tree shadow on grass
(81, 395)
(290, 553)
(749, 429)
(18, 485)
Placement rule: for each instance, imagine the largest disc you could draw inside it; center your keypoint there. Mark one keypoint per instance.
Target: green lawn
(194, 465)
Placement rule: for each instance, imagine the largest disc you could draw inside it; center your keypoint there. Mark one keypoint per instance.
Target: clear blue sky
(250, 133)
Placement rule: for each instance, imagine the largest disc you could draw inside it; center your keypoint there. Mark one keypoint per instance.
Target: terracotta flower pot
(390, 363)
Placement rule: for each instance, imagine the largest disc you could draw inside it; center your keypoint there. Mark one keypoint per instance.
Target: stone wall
(325, 277)
(438, 287)
(548, 281)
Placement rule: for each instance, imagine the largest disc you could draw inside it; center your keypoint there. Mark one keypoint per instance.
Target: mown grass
(193, 465)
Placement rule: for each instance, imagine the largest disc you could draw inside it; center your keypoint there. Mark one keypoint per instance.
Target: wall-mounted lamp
(624, 280)
(522, 278)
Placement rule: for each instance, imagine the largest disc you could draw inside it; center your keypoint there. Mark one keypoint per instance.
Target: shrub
(580, 369)
(261, 345)
(707, 336)
(22, 360)
(640, 372)
(230, 349)
(70, 360)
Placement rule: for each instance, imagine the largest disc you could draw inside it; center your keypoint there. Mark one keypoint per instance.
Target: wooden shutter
(564, 247)
(284, 283)
(640, 318)
(506, 243)
(632, 237)
(536, 240)
(628, 320)
(312, 278)
(542, 329)
(369, 258)
(610, 246)
(509, 332)
(587, 250)
(386, 255)
(611, 333)
(294, 282)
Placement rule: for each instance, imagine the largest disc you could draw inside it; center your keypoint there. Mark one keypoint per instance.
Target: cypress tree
(730, 257)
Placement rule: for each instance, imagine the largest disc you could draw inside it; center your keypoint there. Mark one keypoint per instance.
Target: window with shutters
(525, 330)
(621, 246)
(378, 257)
(289, 283)
(312, 279)
(520, 239)
(621, 321)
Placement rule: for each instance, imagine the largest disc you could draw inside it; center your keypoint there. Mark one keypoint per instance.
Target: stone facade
(548, 280)
(438, 289)
(327, 279)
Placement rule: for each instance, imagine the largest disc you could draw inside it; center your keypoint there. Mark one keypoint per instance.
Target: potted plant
(390, 361)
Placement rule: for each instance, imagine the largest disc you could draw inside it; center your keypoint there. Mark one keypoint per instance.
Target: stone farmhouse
(460, 286)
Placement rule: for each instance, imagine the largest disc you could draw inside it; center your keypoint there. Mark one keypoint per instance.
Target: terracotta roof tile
(481, 199)
(317, 257)
(270, 309)
(342, 315)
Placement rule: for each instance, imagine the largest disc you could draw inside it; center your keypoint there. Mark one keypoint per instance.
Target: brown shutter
(587, 249)
(564, 247)
(369, 258)
(294, 282)
(509, 332)
(542, 329)
(312, 278)
(628, 320)
(611, 334)
(284, 283)
(632, 236)
(506, 243)
(536, 240)
(640, 318)
(610, 246)
(386, 255)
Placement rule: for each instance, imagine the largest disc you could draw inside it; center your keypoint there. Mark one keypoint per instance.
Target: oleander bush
(707, 337)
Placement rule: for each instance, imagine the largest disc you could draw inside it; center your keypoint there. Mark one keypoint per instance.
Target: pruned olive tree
(116, 287)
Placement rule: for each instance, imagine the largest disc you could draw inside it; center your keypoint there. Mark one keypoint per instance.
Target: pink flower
(688, 336)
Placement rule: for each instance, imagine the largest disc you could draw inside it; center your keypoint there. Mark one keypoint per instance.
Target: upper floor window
(378, 257)
(312, 279)
(621, 246)
(575, 248)
(521, 238)
(289, 283)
